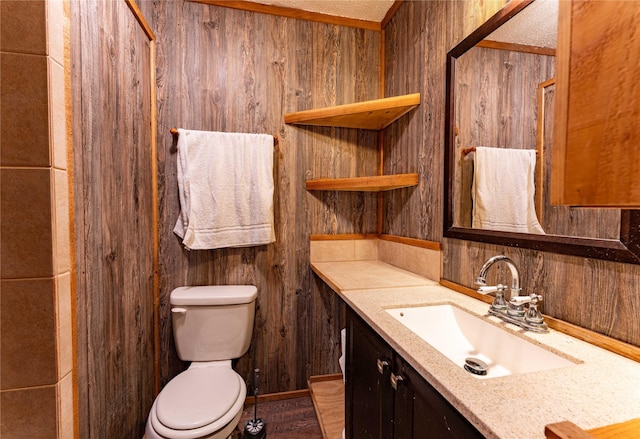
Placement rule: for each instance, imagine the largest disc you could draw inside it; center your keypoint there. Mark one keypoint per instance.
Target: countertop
(602, 388)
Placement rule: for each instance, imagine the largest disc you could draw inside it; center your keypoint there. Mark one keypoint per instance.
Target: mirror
(500, 88)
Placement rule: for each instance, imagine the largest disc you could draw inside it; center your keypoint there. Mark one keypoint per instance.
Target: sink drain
(475, 366)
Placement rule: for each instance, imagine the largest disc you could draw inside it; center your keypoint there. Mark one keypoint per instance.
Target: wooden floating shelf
(372, 115)
(364, 184)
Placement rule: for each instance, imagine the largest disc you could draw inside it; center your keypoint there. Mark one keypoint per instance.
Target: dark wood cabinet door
(385, 398)
(422, 413)
(369, 397)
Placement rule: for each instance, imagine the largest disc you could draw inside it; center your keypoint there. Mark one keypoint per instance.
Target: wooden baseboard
(277, 396)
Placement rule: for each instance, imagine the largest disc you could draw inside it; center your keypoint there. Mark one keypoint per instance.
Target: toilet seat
(197, 397)
(198, 402)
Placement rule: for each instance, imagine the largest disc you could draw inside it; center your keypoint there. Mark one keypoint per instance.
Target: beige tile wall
(344, 250)
(424, 262)
(36, 350)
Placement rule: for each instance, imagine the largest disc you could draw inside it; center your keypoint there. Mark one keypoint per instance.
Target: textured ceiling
(535, 25)
(370, 10)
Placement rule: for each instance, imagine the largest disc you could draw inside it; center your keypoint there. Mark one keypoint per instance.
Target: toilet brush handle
(256, 383)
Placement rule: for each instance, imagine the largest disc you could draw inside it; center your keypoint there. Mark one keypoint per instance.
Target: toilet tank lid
(214, 295)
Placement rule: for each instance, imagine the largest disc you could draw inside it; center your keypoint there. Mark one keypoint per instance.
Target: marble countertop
(602, 388)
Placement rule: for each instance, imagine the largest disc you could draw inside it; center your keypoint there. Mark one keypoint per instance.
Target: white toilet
(211, 326)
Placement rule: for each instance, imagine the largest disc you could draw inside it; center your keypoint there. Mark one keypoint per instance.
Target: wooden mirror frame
(626, 249)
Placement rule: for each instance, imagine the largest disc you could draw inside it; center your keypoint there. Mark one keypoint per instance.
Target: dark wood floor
(292, 418)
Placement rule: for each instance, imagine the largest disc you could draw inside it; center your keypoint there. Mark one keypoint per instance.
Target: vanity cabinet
(368, 393)
(596, 159)
(386, 398)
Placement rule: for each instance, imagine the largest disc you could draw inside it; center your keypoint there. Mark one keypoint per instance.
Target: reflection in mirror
(500, 95)
(566, 220)
(495, 103)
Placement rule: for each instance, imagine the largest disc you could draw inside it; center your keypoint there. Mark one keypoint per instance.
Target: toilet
(211, 326)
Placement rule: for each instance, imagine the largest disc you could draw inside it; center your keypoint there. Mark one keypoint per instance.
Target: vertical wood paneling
(598, 295)
(221, 69)
(416, 43)
(498, 97)
(228, 70)
(114, 219)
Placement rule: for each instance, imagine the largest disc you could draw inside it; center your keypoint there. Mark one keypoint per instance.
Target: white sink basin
(460, 335)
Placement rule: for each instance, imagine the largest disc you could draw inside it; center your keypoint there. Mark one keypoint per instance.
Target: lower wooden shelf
(327, 394)
(366, 184)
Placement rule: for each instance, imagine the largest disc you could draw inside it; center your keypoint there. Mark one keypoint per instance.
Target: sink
(475, 344)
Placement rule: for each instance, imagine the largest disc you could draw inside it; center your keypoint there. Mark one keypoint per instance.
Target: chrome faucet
(515, 277)
(513, 311)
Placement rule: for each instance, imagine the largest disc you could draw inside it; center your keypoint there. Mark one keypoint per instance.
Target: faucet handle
(533, 314)
(532, 299)
(488, 289)
(499, 302)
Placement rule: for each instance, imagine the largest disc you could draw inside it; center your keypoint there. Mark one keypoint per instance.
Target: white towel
(225, 181)
(343, 358)
(503, 190)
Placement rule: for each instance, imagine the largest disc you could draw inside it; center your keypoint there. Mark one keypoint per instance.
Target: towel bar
(467, 151)
(174, 132)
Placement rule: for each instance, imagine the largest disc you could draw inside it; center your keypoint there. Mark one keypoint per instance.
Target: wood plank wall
(112, 137)
(228, 70)
(595, 294)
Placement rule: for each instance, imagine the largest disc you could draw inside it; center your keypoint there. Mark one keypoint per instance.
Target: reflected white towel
(225, 181)
(503, 190)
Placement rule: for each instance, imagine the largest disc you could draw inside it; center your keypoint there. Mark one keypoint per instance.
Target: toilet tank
(212, 323)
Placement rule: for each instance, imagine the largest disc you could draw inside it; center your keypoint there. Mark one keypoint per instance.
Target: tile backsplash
(418, 260)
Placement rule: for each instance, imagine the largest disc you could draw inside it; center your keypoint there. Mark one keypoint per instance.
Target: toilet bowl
(205, 401)
(211, 326)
